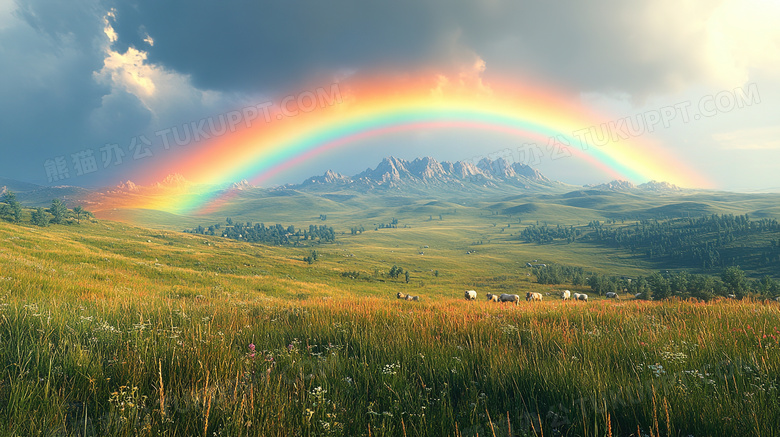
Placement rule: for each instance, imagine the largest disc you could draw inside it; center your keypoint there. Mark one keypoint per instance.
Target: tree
(702, 287)
(79, 211)
(679, 282)
(312, 257)
(734, 279)
(640, 287)
(601, 284)
(395, 271)
(58, 211)
(659, 286)
(12, 210)
(38, 217)
(767, 286)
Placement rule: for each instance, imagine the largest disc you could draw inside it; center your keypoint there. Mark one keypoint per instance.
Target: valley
(125, 324)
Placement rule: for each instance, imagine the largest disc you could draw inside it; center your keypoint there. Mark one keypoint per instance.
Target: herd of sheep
(530, 296)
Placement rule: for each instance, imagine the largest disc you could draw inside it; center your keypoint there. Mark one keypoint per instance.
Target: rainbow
(366, 110)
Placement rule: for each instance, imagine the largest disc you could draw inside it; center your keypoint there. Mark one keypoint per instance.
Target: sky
(87, 86)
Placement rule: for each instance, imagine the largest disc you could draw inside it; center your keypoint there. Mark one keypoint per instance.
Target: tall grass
(335, 366)
(100, 340)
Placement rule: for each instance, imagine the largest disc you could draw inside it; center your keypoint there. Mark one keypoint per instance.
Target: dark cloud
(205, 57)
(46, 86)
(605, 46)
(608, 45)
(240, 45)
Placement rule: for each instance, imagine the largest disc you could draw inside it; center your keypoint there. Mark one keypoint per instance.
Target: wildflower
(391, 369)
(318, 392)
(657, 369)
(251, 350)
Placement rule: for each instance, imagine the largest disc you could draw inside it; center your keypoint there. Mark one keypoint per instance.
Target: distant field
(489, 222)
(111, 329)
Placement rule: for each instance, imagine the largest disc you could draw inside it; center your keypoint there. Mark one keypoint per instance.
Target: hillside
(122, 330)
(454, 207)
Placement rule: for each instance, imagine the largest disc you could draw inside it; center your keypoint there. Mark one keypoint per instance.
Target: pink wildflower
(251, 350)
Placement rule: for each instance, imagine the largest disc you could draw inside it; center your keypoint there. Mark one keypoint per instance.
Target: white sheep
(533, 296)
(612, 295)
(471, 295)
(414, 298)
(566, 295)
(509, 298)
(777, 298)
(492, 297)
(581, 296)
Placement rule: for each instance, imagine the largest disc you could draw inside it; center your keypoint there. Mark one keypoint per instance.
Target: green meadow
(112, 329)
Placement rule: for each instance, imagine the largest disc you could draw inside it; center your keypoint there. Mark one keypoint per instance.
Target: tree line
(11, 210)
(547, 234)
(731, 282)
(276, 235)
(559, 274)
(703, 242)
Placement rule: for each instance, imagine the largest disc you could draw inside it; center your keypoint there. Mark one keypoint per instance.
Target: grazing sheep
(407, 297)
(471, 295)
(581, 296)
(777, 298)
(566, 295)
(492, 297)
(637, 296)
(731, 296)
(510, 298)
(533, 296)
(612, 295)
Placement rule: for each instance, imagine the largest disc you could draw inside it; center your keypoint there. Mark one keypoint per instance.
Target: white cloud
(161, 91)
(764, 138)
(743, 37)
(7, 8)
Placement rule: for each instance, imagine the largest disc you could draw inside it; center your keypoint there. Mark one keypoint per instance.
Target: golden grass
(108, 329)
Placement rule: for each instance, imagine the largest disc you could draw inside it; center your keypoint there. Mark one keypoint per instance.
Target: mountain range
(421, 175)
(427, 172)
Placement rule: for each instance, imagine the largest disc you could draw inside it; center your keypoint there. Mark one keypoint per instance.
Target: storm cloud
(89, 72)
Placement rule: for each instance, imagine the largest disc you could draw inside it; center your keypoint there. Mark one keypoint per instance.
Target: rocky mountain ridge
(393, 172)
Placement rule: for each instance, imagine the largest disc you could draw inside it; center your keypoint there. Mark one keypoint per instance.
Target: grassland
(453, 223)
(111, 329)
